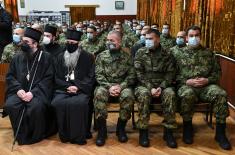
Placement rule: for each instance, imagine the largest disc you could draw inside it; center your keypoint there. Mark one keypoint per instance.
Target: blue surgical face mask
(194, 41)
(149, 44)
(90, 36)
(180, 41)
(16, 39)
(17, 26)
(142, 39)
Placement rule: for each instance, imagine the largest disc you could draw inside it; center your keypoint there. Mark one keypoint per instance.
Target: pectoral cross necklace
(70, 75)
(29, 71)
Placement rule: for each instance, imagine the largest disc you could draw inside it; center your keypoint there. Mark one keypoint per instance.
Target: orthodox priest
(49, 41)
(28, 87)
(74, 79)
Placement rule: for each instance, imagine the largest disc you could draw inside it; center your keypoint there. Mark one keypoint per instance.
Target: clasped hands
(25, 96)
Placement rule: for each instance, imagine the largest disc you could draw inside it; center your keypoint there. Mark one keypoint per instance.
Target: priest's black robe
(72, 109)
(34, 124)
(54, 49)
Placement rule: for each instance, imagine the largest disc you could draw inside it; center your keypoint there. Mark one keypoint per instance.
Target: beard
(71, 59)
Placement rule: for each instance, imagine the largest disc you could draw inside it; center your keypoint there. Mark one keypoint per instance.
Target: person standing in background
(5, 28)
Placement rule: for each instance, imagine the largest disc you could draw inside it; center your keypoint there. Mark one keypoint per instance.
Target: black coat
(84, 73)
(36, 123)
(5, 27)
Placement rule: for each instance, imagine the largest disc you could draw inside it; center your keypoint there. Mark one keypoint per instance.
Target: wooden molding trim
(69, 6)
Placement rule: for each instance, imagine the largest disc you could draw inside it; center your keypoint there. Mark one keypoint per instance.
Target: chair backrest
(3, 71)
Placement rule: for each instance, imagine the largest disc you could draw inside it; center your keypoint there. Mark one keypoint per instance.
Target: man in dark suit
(5, 28)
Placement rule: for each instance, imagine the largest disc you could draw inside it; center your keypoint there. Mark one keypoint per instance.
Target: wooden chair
(114, 107)
(3, 71)
(206, 108)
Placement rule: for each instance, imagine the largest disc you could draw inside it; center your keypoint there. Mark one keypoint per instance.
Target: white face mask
(194, 41)
(137, 32)
(149, 44)
(46, 40)
(165, 31)
(79, 29)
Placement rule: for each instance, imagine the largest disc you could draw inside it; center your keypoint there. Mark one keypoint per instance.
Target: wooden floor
(203, 141)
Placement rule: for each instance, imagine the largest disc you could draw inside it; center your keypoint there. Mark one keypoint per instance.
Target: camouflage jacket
(167, 42)
(192, 63)
(83, 37)
(114, 68)
(176, 48)
(62, 39)
(9, 51)
(154, 68)
(93, 47)
(128, 40)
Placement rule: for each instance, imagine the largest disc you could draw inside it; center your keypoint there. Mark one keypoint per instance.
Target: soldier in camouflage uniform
(92, 44)
(11, 49)
(128, 40)
(115, 75)
(155, 72)
(166, 40)
(198, 74)
(180, 41)
(62, 37)
(80, 27)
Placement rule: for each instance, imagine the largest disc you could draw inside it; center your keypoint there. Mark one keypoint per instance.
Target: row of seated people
(59, 87)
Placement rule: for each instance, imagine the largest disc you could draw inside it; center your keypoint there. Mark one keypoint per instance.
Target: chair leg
(207, 112)
(133, 117)
(94, 121)
(211, 115)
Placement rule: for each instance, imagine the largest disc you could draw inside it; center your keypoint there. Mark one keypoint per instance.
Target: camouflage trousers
(212, 94)
(101, 98)
(168, 101)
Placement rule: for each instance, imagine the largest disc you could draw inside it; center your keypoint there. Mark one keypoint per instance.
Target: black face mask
(26, 49)
(71, 47)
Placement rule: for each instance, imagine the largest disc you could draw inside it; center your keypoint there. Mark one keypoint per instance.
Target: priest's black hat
(73, 35)
(50, 29)
(33, 34)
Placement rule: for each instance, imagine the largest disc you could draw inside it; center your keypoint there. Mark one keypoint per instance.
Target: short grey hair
(117, 33)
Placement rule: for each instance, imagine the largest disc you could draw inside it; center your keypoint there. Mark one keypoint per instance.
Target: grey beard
(71, 59)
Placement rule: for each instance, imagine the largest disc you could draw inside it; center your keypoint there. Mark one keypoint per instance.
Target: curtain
(215, 17)
(143, 10)
(11, 7)
(82, 13)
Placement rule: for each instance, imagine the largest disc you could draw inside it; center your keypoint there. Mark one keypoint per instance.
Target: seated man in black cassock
(74, 79)
(49, 41)
(28, 86)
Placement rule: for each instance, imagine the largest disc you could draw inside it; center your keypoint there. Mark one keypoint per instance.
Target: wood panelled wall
(215, 17)
(227, 80)
(82, 13)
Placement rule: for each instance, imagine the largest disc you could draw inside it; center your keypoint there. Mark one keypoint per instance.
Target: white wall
(107, 7)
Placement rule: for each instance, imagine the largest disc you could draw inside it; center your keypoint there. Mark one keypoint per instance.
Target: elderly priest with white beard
(74, 78)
